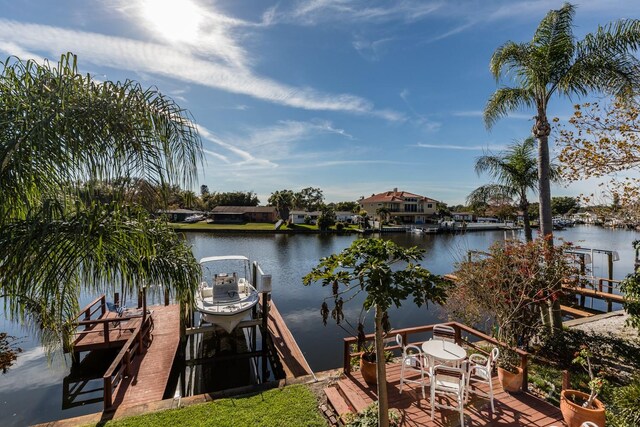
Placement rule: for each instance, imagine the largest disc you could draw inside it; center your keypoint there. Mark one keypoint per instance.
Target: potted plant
(578, 407)
(510, 374)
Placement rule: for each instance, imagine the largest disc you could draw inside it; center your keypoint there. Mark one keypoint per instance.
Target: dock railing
(459, 328)
(121, 365)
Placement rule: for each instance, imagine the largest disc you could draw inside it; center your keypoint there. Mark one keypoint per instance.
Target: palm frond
(506, 100)
(510, 58)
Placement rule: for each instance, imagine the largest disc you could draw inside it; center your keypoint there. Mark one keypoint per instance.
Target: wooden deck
(352, 394)
(150, 371)
(286, 347)
(117, 333)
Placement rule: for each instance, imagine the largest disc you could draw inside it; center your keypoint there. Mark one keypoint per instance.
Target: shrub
(339, 226)
(368, 417)
(506, 289)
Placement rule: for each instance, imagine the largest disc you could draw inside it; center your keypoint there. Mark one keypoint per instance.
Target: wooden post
(116, 299)
(458, 335)
(346, 357)
(583, 271)
(166, 296)
(144, 320)
(139, 298)
(103, 307)
(525, 372)
(566, 383)
(610, 288)
(265, 333)
(107, 392)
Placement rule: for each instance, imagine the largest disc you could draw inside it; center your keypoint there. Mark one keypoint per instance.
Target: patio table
(448, 352)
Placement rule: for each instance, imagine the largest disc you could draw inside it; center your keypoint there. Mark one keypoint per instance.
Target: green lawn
(205, 226)
(293, 405)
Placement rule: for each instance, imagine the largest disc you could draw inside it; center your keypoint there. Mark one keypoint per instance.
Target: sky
(352, 96)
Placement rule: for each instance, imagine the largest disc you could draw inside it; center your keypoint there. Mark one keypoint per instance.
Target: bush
(507, 288)
(369, 417)
(340, 226)
(624, 409)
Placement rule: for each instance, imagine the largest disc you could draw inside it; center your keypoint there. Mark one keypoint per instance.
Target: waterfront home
(243, 214)
(346, 216)
(298, 217)
(463, 216)
(402, 206)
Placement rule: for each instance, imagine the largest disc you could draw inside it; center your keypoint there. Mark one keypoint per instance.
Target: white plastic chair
(444, 332)
(448, 381)
(411, 363)
(479, 371)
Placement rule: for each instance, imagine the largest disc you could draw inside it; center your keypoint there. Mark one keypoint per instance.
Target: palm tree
(516, 173)
(283, 201)
(553, 62)
(62, 135)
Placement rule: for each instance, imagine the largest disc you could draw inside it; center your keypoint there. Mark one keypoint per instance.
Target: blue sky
(353, 96)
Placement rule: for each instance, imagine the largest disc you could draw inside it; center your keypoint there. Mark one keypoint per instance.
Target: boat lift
(586, 260)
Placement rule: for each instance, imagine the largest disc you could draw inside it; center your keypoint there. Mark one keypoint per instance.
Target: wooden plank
(290, 355)
(340, 406)
(594, 293)
(575, 312)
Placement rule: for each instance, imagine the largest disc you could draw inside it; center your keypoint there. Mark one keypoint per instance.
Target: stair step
(352, 397)
(340, 406)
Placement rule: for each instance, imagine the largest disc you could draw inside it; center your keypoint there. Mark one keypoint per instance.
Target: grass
(289, 406)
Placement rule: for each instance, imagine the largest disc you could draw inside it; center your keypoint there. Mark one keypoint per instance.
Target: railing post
(127, 361)
(566, 380)
(346, 362)
(103, 305)
(525, 372)
(166, 296)
(458, 335)
(107, 393)
(105, 331)
(609, 291)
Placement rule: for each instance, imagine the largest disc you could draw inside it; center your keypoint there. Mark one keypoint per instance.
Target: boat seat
(206, 292)
(227, 291)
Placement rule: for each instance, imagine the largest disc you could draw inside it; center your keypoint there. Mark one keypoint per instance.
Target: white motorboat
(226, 294)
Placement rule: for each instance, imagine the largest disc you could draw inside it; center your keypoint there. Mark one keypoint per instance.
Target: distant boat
(226, 294)
(194, 218)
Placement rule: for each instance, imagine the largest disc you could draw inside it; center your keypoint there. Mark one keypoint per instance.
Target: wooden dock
(351, 394)
(594, 293)
(150, 372)
(286, 347)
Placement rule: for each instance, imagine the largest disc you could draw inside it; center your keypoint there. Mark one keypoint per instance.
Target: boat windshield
(225, 266)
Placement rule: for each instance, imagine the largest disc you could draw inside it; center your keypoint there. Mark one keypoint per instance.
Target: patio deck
(352, 394)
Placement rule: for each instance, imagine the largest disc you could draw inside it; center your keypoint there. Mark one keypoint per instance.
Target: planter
(574, 414)
(511, 381)
(369, 371)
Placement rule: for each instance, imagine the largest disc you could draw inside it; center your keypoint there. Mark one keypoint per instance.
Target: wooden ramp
(150, 371)
(286, 347)
(351, 394)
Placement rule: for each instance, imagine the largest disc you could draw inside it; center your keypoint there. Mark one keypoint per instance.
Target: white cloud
(167, 61)
(314, 12)
(461, 147)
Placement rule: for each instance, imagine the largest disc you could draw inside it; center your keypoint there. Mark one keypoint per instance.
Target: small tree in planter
(578, 407)
(368, 266)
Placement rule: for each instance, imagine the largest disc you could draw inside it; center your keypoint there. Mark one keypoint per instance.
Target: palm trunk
(383, 401)
(541, 131)
(524, 205)
(544, 188)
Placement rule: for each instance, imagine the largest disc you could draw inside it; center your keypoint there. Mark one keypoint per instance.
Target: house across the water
(402, 206)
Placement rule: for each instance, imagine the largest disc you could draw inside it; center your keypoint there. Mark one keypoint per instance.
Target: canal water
(32, 390)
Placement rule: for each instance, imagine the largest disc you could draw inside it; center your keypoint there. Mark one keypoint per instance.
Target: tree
(233, 198)
(61, 134)
(368, 266)
(283, 202)
(345, 206)
(326, 218)
(383, 214)
(309, 199)
(442, 210)
(554, 63)
(564, 205)
(604, 141)
(515, 172)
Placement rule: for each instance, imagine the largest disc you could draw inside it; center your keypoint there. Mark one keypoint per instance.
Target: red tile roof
(394, 196)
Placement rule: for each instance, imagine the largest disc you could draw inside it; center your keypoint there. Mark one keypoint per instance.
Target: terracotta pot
(511, 381)
(574, 414)
(369, 371)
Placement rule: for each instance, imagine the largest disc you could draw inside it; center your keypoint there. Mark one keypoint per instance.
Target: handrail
(87, 310)
(120, 367)
(459, 327)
